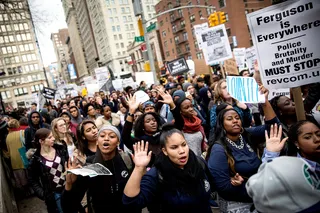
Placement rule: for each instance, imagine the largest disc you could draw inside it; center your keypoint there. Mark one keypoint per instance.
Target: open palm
(141, 156)
(132, 103)
(167, 99)
(274, 142)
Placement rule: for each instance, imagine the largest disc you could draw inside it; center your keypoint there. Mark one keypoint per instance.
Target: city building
(62, 55)
(75, 40)
(86, 32)
(21, 69)
(176, 28)
(114, 27)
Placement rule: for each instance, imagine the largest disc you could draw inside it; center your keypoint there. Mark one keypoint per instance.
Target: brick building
(176, 28)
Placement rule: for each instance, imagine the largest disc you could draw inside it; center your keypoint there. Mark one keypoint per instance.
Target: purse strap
(22, 139)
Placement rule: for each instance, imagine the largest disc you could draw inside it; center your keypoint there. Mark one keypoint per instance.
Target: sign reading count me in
(178, 66)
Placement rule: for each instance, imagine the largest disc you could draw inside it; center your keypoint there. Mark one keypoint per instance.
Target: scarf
(193, 125)
(175, 179)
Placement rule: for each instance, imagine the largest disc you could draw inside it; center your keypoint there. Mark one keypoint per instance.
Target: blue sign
(72, 71)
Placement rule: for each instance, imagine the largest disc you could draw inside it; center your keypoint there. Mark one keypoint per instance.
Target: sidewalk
(32, 204)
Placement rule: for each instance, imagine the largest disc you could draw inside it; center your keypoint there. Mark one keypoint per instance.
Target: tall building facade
(75, 40)
(21, 69)
(61, 51)
(114, 26)
(86, 33)
(176, 28)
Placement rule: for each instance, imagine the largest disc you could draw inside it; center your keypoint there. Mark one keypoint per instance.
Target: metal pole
(149, 51)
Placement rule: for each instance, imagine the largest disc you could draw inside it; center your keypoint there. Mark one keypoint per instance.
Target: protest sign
(129, 82)
(230, 67)
(89, 80)
(41, 101)
(177, 66)
(48, 92)
(141, 96)
(244, 89)
(275, 92)
(286, 40)
(92, 88)
(240, 56)
(144, 76)
(251, 56)
(102, 75)
(201, 67)
(215, 44)
(191, 66)
(198, 30)
(117, 84)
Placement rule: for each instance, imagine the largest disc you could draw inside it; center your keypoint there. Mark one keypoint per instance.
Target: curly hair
(139, 124)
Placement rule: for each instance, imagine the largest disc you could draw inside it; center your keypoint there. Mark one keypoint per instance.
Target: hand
(190, 97)
(237, 180)
(167, 99)
(132, 103)
(70, 177)
(274, 142)
(160, 88)
(256, 66)
(141, 157)
(264, 91)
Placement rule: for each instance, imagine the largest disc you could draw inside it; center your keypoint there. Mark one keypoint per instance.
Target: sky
(48, 18)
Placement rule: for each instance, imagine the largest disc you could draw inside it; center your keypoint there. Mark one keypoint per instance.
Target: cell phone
(187, 94)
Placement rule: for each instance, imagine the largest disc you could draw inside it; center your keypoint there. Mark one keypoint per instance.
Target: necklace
(241, 144)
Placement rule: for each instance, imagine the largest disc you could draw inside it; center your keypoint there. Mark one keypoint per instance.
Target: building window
(118, 28)
(199, 56)
(124, 18)
(187, 47)
(164, 33)
(167, 53)
(229, 32)
(165, 44)
(200, 13)
(222, 3)
(173, 51)
(185, 36)
(176, 39)
(113, 29)
(192, 18)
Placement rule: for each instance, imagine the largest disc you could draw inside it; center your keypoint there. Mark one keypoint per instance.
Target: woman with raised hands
(178, 182)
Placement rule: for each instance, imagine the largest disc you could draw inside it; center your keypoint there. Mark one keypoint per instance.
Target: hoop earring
(242, 130)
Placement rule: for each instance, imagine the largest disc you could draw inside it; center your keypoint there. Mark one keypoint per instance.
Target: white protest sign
(144, 76)
(215, 44)
(286, 38)
(251, 56)
(117, 84)
(244, 89)
(240, 56)
(102, 75)
(275, 92)
(141, 96)
(89, 80)
(92, 88)
(191, 66)
(198, 30)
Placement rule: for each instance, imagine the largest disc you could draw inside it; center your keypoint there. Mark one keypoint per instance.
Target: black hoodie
(30, 131)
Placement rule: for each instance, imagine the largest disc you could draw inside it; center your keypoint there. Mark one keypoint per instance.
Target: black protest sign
(48, 92)
(177, 66)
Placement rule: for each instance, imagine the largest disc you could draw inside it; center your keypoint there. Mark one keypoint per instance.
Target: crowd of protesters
(190, 148)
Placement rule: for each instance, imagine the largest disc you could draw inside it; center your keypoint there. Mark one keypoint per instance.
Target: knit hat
(148, 103)
(179, 93)
(185, 86)
(110, 127)
(286, 184)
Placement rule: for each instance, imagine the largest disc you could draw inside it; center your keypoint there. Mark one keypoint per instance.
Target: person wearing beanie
(103, 192)
(285, 184)
(70, 126)
(185, 86)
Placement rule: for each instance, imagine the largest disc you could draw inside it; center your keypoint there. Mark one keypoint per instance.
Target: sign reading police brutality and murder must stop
(178, 66)
(286, 38)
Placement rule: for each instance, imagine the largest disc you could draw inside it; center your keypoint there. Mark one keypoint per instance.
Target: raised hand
(237, 180)
(141, 157)
(274, 142)
(132, 103)
(167, 99)
(264, 91)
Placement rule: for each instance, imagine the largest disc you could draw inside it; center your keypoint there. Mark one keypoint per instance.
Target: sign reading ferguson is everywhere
(178, 66)
(286, 38)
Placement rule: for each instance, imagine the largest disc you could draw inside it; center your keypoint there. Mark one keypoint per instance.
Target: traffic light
(140, 27)
(222, 17)
(213, 19)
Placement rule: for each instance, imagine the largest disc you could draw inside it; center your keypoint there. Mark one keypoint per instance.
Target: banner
(286, 38)
(240, 56)
(48, 92)
(177, 66)
(72, 71)
(102, 75)
(244, 89)
(198, 30)
(230, 67)
(251, 56)
(215, 44)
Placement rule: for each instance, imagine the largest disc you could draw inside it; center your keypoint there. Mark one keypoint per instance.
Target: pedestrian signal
(140, 27)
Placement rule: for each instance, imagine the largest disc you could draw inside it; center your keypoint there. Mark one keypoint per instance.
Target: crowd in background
(190, 148)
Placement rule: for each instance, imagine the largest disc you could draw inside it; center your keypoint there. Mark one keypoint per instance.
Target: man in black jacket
(35, 122)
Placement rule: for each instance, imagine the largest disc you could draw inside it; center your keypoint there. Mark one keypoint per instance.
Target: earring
(298, 147)
(242, 130)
